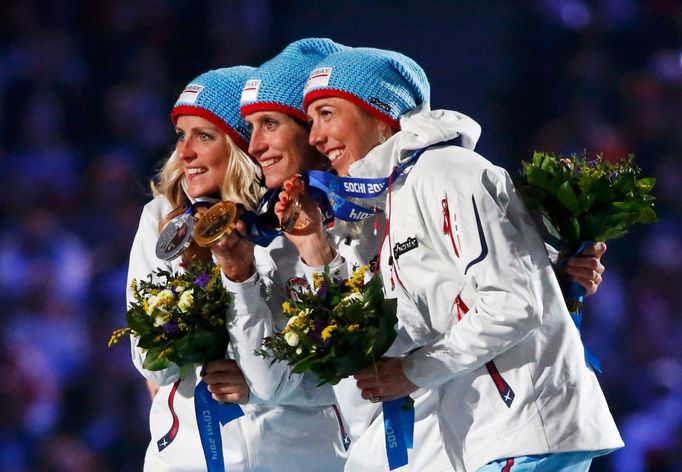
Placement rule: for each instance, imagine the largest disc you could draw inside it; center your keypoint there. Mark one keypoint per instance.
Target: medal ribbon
(398, 430)
(337, 189)
(210, 416)
(576, 296)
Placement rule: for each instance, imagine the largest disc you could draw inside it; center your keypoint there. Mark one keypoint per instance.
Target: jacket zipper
(447, 224)
(345, 437)
(503, 388)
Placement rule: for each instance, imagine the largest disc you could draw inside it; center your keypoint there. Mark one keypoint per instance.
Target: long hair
(242, 183)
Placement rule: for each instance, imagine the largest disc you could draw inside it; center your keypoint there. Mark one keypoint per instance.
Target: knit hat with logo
(385, 83)
(213, 96)
(277, 85)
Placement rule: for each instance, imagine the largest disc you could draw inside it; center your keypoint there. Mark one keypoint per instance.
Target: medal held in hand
(176, 237)
(215, 223)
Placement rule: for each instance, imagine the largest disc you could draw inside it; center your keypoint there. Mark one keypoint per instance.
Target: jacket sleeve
(255, 313)
(498, 253)
(143, 261)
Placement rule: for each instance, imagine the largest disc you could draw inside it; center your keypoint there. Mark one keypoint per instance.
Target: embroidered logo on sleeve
(401, 248)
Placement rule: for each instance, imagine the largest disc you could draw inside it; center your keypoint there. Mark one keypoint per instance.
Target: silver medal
(175, 237)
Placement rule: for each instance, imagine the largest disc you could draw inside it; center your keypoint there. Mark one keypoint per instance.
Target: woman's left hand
(234, 254)
(226, 381)
(385, 381)
(587, 268)
(307, 232)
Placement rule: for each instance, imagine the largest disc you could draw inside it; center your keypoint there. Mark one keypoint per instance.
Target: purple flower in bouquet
(202, 280)
(170, 327)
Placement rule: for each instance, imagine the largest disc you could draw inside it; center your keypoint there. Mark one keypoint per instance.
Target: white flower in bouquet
(186, 301)
(291, 338)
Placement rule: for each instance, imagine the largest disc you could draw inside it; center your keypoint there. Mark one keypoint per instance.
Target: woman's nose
(257, 145)
(185, 150)
(316, 137)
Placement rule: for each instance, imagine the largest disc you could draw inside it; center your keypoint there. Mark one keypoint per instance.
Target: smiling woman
(201, 148)
(279, 143)
(210, 163)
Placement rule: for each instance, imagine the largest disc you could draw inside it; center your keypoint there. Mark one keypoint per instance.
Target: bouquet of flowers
(179, 318)
(586, 200)
(583, 201)
(342, 327)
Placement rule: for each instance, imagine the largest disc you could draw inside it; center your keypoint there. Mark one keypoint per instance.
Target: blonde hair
(242, 183)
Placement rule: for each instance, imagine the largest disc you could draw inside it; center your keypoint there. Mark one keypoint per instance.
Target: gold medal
(214, 223)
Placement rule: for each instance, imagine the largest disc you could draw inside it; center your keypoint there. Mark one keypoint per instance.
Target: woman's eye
(325, 114)
(205, 136)
(179, 136)
(270, 124)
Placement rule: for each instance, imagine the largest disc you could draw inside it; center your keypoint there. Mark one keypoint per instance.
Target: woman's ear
(385, 131)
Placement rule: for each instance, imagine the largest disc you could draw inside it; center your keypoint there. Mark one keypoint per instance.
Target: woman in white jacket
(482, 322)
(210, 163)
(270, 106)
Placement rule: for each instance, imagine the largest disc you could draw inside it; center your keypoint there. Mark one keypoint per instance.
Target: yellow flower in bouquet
(340, 328)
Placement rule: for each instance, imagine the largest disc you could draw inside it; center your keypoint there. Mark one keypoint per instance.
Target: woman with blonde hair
(210, 163)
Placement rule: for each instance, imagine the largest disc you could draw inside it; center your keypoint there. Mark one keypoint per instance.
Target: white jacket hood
(420, 128)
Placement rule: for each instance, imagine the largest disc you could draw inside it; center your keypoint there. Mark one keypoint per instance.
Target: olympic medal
(175, 237)
(214, 223)
(290, 216)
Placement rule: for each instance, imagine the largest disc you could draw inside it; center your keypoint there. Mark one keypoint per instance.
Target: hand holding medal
(186, 234)
(302, 219)
(288, 208)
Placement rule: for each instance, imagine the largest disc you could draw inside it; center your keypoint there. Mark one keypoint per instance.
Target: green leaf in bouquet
(647, 215)
(308, 362)
(601, 191)
(201, 346)
(612, 233)
(646, 184)
(626, 183)
(354, 313)
(385, 336)
(138, 321)
(567, 197)
(548, 163)
(551, 229)
(347, 364)
(569, 229)
(540, 179)
(185, 370)
(153, 361)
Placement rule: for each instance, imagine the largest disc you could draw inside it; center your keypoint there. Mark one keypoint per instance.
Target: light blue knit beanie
(213, 96)
(277, 85)
(385, 83)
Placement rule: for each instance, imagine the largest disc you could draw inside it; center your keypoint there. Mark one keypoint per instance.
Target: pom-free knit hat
(213, 96)
(277, 85)
(385, 83)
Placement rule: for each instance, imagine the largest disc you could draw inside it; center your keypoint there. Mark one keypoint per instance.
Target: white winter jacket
(482, 321)
(297, 436)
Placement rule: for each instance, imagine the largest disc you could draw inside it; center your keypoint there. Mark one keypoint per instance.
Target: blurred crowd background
(85, 94)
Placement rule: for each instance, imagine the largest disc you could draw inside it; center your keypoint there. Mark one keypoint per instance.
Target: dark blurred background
(86, 88)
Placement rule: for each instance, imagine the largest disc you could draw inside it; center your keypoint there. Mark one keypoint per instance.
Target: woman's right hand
(307, 233)
(226, 381)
